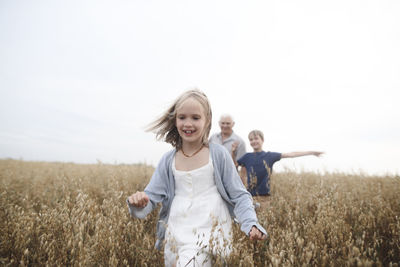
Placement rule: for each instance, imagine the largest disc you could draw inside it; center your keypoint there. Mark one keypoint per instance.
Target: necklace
(189, 156)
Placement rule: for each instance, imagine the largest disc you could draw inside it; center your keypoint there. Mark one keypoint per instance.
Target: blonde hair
(257, 132)
(165, 126)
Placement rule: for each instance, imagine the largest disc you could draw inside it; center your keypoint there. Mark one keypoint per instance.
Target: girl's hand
(139, 199)
(256, 234)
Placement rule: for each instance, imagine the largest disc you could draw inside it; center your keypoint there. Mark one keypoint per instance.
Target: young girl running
(198, 186)
(258, 164)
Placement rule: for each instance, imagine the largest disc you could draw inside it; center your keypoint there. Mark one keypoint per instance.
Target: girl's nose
(187, 122)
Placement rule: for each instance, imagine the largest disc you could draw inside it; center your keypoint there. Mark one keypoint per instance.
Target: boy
(258, 164)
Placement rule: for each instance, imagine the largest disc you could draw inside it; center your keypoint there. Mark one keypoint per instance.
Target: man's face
(226, 125)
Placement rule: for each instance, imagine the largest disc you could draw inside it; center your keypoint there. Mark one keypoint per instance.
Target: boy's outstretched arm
(301, 154)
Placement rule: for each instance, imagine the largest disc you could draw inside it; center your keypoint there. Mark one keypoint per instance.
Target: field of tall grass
(64, 214)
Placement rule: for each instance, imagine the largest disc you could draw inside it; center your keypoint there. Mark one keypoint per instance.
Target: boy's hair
(165, 128)
(257, 132)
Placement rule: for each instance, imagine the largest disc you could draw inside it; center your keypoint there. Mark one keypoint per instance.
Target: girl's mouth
(188, 132)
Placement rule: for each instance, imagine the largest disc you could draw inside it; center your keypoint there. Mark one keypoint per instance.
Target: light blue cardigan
(161, 188)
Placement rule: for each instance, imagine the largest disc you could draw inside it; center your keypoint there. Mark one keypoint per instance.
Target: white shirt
(227, 143)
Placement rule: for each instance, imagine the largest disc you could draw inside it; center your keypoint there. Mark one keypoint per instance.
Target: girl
(258, 165)
(198, 186)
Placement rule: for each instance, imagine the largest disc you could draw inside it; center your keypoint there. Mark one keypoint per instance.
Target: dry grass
(60, 214)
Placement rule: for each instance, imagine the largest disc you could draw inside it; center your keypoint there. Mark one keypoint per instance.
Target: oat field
(64, 214)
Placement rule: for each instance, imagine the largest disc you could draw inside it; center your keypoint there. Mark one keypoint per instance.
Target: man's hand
(234, 146)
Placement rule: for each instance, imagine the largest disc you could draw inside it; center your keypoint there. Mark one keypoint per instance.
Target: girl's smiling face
(256, 142)
(190, 121)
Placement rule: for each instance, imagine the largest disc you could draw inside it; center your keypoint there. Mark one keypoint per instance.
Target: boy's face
(256, 142)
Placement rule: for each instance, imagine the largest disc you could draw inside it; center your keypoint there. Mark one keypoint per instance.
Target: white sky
(79, 80)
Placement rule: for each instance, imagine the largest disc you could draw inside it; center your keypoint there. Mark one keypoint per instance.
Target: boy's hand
(256, 234)
(139, 199)
(317, 153)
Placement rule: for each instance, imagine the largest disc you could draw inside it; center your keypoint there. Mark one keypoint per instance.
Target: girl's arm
(138, 205)
(158, 190)
(139, 199)
(235, 193)
(141, 210)
(256, 234)
(301, 154)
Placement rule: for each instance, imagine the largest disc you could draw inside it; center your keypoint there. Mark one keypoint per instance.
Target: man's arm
(241, 149)
(301, 154)
(233, 153)
(243, 175)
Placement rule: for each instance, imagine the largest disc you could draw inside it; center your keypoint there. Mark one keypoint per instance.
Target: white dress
(198, 214)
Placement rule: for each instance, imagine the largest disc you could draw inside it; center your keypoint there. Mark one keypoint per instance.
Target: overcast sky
(80, 80)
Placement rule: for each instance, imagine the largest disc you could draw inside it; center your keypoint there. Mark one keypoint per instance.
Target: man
(231, 141)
